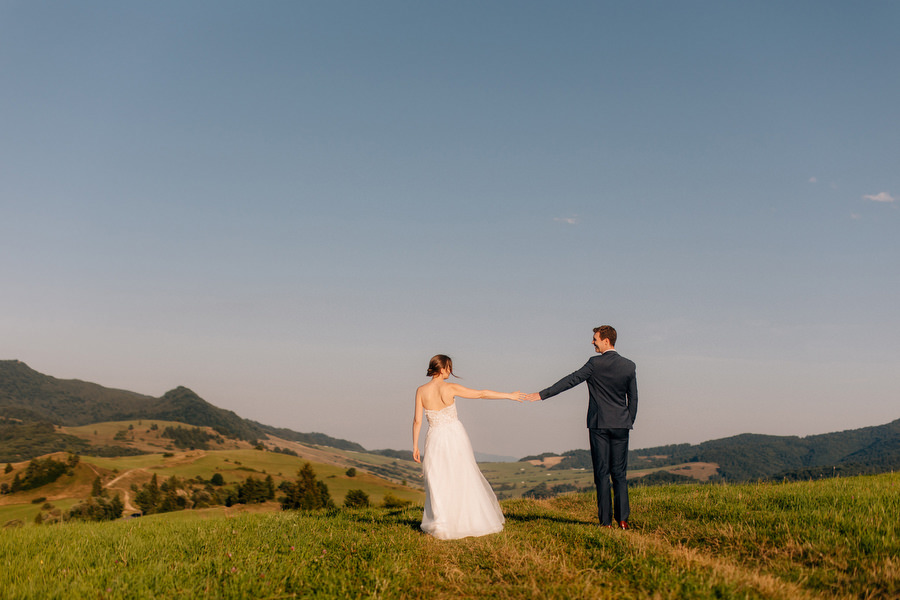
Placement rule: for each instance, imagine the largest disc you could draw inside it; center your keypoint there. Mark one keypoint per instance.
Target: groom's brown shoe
(623, 525)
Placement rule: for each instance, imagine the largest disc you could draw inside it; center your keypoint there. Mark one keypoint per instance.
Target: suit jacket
(612, 387)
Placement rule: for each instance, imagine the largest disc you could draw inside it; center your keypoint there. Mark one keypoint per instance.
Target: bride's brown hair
(438, 363)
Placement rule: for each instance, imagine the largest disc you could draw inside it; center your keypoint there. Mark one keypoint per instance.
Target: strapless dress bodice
(441, 417)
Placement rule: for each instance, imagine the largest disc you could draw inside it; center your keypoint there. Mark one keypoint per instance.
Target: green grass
(826, 539)
(234, 465)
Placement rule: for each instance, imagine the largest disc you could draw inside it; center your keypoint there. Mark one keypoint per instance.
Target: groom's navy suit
(612, 387)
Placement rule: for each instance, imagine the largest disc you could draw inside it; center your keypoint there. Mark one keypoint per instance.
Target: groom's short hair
(607, 332)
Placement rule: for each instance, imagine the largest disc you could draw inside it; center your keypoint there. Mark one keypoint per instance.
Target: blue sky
(290, 206)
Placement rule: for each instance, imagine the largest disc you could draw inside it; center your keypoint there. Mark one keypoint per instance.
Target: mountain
(751, 456)
(29, 398)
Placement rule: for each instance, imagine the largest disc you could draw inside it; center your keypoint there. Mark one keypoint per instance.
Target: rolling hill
(40, 414)
(749, 456)
(29, 400)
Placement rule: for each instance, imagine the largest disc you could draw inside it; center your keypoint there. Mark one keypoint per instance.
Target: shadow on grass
(408, 517)
(548, 518)
(412, 518)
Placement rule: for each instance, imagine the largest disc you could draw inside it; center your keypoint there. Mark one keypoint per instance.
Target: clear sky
(289, 207)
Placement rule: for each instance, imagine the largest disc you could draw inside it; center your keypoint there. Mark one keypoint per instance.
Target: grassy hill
(29, 396)
(233, 460)
(40, 414)
(748, 457)
(751, 456)
(836, 538)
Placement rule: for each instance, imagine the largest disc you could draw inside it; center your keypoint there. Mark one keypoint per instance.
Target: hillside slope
(754, 456)
(27, 396)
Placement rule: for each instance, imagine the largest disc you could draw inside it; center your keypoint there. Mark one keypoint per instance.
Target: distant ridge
(750, 456)
(32, 397)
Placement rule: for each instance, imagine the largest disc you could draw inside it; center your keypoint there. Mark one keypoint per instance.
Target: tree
(171, 501)
(252, 491)
(149, 497)
(97, 487)
(9, 468)
(217, 479)
(306, 493)
(356, 499)
(351, 472)
(97, 509)
(539, 491)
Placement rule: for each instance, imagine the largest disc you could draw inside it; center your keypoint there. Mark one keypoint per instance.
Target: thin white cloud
(880, 197)
(566, 220)
(813, 180)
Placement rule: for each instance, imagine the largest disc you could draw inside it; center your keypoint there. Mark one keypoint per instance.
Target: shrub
(97, 508)
(351, 472)
(392, 501)
(356, 499)
(539, 491)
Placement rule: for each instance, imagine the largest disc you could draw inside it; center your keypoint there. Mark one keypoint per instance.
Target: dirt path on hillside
(126, 499)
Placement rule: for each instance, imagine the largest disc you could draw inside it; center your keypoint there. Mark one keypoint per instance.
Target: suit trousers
(609, 453)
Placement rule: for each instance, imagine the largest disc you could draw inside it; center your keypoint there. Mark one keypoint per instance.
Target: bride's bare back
(438, 394)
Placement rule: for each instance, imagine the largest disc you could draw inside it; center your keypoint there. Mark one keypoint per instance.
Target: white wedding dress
(459, 502)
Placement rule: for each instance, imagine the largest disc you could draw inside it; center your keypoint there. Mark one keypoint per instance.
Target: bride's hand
(416, 456)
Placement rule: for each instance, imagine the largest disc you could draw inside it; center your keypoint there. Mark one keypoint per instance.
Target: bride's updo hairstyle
(438, 363)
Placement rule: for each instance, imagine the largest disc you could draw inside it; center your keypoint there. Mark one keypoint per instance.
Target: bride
(459, 502)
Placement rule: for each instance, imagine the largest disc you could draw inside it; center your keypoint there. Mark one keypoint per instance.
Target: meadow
(233, 460)
(834, 538)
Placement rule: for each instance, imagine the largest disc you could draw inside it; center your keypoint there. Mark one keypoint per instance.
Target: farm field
(834, 538)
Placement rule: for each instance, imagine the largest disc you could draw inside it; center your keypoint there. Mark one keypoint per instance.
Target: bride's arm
(417, 426)
(464, 392)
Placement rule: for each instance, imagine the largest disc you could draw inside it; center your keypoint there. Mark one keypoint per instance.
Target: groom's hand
(531, 397)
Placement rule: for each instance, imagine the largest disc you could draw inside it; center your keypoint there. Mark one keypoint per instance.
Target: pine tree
(170, 500)
(306, 493)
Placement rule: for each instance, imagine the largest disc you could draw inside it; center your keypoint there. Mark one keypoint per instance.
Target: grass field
(119, 473)
(834, 538)
(512, 479)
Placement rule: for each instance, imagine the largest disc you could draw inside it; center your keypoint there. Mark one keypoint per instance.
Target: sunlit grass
(835, 538)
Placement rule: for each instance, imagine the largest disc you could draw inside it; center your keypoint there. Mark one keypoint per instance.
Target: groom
(612, 387)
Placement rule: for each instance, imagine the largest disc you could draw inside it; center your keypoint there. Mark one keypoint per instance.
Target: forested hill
(753, 456)
(33, 397)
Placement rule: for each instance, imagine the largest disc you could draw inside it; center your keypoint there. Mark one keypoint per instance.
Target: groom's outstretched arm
(567, 382)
